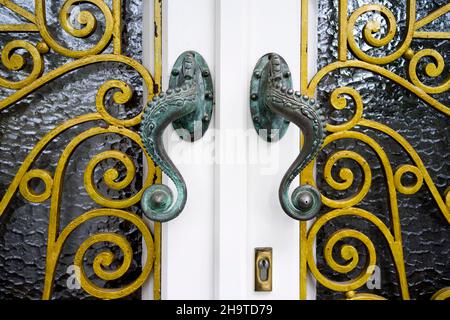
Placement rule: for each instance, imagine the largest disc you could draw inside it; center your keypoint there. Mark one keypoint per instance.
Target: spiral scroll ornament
(85, 18)
(14, 61)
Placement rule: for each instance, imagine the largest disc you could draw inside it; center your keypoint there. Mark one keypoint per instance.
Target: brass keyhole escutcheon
(263, 269)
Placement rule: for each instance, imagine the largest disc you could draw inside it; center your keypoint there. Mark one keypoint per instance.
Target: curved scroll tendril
(349, 253)
(54, 240)
(443, 294)
(85, 18)
(372, 27)
(432, 70)
(105, 258)
(74, 65)
(14, 61)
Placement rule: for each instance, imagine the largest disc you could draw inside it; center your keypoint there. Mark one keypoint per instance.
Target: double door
(72, 221)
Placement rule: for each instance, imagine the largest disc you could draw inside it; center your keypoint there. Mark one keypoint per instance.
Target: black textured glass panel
(24, 226)
(425, 231)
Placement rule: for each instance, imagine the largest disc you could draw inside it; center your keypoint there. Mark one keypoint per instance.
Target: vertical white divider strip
(231, 150)
(148, 62)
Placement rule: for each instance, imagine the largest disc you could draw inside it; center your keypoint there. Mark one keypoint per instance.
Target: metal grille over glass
(384, 167)
(71, 97)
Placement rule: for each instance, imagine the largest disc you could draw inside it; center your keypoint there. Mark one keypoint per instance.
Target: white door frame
(232, 206)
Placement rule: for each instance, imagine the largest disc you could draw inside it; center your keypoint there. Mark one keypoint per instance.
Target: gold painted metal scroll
(347, 44)
(39, 77)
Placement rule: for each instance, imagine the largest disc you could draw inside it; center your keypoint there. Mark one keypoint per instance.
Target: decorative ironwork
(361, 59)
(122, 93)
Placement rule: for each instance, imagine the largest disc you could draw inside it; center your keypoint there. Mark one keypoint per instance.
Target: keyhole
(264, 265)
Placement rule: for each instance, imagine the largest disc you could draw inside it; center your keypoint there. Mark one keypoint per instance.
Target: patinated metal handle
(274, 104)
(188, 104)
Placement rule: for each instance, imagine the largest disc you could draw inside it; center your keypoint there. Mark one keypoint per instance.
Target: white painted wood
(232, 175)
(231, 198)
(247, 209)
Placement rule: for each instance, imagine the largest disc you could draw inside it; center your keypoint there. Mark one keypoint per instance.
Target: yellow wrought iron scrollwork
(38, 77)
(14, 62)
(442, 294)
(352, 295)
(105, 258)
(433, 70)
(339, 100)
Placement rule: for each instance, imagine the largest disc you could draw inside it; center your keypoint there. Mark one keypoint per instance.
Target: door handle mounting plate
(269, 125)
(195, 123)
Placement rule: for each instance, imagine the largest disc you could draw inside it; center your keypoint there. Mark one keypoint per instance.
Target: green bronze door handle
(187, 104)
(273, 105)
